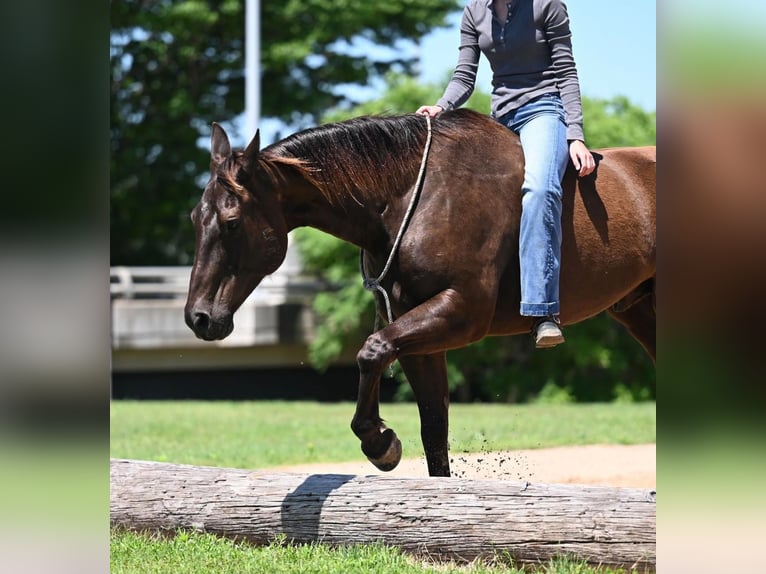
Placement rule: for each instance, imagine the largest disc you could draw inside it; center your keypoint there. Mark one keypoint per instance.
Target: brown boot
(548, 333)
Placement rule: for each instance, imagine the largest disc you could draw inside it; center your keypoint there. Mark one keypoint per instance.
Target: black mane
(370, 154)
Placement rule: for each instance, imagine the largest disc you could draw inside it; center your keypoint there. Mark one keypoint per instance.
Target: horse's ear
(251, 152)
(220, 148)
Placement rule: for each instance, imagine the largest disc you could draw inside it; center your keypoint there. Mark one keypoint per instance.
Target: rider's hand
(430, 110)
(581, 158)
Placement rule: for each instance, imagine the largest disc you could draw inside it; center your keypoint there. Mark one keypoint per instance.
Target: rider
(536, 94)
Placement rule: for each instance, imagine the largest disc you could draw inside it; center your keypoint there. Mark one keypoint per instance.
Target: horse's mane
(374, 155)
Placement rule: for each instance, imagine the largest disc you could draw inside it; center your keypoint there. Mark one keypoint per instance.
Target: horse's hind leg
(640, 319)
(427, 375)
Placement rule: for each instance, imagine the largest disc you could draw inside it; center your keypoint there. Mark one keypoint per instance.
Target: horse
(449, 274)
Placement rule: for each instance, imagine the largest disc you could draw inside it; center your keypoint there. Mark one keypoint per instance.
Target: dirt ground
(609, 465)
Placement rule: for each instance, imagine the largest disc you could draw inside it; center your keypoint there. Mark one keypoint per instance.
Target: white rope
(374, 284)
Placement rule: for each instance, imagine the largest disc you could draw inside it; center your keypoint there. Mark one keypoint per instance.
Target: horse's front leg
(446, 321)
(380, 444)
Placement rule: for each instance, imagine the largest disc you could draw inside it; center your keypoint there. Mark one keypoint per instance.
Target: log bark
(446, 518)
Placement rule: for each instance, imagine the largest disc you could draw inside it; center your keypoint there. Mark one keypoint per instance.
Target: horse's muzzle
(207, 328)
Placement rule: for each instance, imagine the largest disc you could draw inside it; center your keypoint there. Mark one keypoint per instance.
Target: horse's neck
(352, 204)
(355, 219)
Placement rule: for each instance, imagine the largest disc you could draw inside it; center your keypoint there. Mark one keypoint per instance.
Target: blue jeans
(542, 129)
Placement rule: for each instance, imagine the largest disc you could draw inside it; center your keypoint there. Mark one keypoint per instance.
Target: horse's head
(241, 237)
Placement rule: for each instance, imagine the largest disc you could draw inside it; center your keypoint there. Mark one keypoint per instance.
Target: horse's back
(637, 167)
(640, 154)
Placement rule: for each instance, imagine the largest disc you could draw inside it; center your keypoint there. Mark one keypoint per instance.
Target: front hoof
(391, 457)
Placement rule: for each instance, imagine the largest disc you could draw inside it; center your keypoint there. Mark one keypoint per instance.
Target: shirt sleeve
(461, 86)
(559, 39)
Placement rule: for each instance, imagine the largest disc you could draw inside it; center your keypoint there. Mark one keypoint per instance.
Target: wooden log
(448, 518)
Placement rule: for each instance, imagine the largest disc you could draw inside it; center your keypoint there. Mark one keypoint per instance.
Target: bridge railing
(147, 309)
(148, 282)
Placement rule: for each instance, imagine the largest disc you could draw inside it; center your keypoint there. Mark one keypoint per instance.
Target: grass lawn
(272, 433)
(196, 553)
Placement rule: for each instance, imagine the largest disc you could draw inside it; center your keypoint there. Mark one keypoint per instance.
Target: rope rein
(374, 284)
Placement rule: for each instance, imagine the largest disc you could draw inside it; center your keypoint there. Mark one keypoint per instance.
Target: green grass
(195, 553)
(263, 434)
(273, 433)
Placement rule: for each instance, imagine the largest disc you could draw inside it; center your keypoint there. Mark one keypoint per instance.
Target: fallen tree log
(447, 518)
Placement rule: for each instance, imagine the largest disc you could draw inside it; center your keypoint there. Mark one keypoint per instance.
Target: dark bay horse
(455, 276)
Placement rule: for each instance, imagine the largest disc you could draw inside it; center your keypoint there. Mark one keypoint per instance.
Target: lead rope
(374, 284)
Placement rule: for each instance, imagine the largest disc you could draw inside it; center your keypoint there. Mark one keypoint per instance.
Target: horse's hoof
(390, 458)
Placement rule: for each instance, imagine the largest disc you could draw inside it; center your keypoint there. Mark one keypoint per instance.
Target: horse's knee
(376, 354)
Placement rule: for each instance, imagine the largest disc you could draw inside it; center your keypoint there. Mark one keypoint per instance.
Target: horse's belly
(584, 293)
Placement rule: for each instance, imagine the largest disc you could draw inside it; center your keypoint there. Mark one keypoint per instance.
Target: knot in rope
(370, 284)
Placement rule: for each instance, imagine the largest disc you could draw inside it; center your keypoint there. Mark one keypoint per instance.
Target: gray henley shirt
(530, 55)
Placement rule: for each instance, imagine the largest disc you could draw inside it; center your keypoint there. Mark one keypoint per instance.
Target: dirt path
(610, 465)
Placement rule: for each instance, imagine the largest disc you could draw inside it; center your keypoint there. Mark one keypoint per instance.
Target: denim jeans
(542, 129)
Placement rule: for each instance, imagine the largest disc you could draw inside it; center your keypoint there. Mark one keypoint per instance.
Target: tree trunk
(448, 518)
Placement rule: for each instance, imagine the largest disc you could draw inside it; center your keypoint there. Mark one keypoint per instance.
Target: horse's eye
(232, 224)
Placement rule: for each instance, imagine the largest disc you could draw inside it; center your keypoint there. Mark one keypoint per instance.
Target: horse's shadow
(592, 202)
(302, 508)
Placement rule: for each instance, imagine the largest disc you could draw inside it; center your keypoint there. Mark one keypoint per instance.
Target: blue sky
(614, 45)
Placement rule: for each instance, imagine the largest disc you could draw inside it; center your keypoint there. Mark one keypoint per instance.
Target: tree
(177, 65)
(617, 122)
(600, 360)
(314, 49)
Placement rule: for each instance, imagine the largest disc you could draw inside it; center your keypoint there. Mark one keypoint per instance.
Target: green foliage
(617, 122)
(172, 73)
(402, 95)
(345, 310)
(552, 394)
(178, 65)
(314, 50)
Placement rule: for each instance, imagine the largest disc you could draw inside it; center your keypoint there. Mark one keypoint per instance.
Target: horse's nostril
(201, 321)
